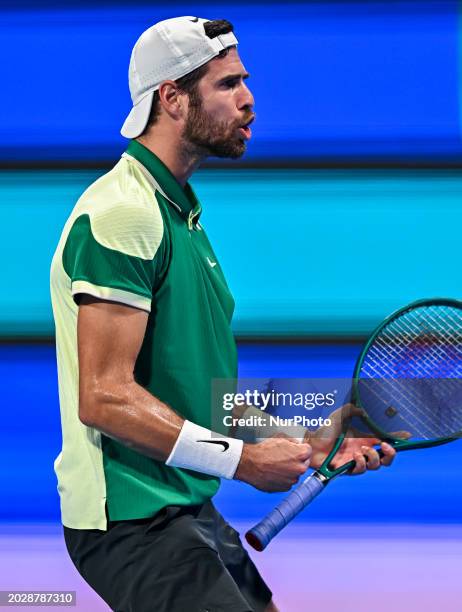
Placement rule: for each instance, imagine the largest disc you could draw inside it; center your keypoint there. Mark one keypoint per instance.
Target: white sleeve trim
(113, 295)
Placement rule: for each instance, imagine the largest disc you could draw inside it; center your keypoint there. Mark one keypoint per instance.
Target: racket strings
(426, 356)
(406, 394)
(414, 416)
(406, 348)
(415, 364)
(442, 339)
(434, 343)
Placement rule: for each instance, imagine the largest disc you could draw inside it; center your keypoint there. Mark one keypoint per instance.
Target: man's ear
(173, 100)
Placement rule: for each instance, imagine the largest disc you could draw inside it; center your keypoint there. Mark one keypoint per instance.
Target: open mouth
(245, 130)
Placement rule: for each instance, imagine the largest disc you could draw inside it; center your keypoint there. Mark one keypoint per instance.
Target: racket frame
(262, 533)
(397, 443)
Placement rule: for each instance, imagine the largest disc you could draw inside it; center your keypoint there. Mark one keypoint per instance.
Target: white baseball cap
(168, 50)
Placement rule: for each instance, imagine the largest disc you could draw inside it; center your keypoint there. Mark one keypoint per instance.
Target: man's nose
(247, 99)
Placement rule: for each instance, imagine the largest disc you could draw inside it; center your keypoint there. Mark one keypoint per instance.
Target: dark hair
(188, 83)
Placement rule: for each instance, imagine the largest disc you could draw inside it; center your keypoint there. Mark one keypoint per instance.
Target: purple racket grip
(261, 535)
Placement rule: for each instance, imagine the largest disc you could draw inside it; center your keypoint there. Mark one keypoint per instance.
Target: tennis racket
(408, 378)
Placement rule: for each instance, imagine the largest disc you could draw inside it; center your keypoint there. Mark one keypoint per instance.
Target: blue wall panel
(361, 79)
(31, 440)
(304, 252)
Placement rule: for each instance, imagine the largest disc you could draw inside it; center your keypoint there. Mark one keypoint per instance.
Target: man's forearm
(133, 416)
(130, 414)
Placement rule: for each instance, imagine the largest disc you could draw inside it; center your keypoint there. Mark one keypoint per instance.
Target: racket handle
(261, 535)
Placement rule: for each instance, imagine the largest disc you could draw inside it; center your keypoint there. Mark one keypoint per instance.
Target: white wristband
(201, 450)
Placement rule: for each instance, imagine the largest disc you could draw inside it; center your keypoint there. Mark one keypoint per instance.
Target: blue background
(423, 486)
(308, 253)
(332, 80)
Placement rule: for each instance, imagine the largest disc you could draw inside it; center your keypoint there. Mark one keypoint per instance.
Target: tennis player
(142, 313)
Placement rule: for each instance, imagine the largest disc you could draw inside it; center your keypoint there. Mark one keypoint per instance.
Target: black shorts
(182, 559)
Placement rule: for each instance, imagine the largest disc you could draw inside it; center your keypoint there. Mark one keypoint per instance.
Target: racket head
(408, 376)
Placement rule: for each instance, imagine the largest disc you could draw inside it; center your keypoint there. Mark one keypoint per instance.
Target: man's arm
(109, 340)
(110, 336)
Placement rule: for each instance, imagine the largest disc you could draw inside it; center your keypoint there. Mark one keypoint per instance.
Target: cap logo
(195, 20)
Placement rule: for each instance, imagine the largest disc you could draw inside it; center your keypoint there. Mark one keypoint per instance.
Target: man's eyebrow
(238, 75)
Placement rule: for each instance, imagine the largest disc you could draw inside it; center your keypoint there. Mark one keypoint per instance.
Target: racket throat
(323, 478)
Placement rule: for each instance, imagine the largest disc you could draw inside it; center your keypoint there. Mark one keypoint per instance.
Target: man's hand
(273, 465)
(359, 449)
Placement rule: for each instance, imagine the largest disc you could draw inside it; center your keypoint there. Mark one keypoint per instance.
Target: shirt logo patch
(211, 263)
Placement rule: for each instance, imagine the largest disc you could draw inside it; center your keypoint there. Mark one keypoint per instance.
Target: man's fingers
(402, 435)
(369, 441)
(369, 458)
(306, 451)
(360, 466)
(389, 453)
(349, 411)
(372, 457)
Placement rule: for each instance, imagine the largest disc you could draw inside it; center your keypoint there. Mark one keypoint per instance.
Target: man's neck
(181, 160)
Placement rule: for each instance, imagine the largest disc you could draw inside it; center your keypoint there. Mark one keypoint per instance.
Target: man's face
(221, 109)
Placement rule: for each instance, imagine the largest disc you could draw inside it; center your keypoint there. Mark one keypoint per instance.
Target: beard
(216, 138)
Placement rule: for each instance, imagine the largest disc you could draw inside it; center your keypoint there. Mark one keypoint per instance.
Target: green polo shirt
(134, 237)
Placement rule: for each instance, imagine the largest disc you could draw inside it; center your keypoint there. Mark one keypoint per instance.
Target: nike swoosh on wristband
(222, 442)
